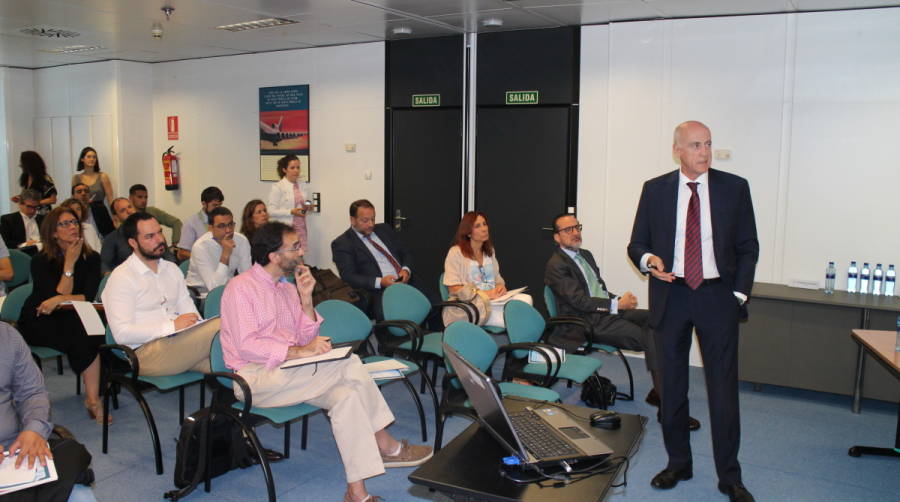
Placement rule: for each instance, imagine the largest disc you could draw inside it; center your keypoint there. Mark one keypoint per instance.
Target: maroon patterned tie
(693, 253)
(385, 253)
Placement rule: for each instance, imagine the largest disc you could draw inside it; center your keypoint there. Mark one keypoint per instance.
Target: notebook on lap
(540, 434)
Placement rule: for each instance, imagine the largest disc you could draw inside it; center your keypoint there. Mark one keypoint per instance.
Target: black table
(467, 467)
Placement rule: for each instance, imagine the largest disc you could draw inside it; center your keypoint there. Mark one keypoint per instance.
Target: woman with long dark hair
(34, 176)
(255, 215)
(287, 202)
(98, 183)
(66, 269)
(472, 264)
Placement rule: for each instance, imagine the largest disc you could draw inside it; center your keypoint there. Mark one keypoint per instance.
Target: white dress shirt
(91, 236)
(141, 305)
(383, 263)
(207, 271)
(32, 232)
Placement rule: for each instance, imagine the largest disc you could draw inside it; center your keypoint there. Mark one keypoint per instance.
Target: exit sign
(521, 97)
(422, 100)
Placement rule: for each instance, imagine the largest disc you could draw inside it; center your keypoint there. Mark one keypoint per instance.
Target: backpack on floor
(330, 287)
(598, 392)
(229, 450)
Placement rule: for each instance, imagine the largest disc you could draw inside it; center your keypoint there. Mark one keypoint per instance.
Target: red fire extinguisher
(170, 169)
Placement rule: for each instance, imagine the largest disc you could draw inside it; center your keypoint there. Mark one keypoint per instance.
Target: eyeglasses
(223, 226)
(296, 247)
(82, 190)
(31, 206)
(569, 230)
(67, 223)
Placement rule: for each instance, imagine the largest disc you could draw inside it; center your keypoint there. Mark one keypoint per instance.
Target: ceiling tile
(513, 19)
(597, 13)
(431, 8)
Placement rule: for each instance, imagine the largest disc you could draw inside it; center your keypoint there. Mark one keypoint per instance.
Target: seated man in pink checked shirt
(266, 320)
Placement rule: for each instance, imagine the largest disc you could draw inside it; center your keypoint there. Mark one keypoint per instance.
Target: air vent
(49, 32)
(255, 25)
(71, 49)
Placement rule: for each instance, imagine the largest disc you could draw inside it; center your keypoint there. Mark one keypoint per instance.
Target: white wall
(16, 133)
(808, 104)
(216, 101)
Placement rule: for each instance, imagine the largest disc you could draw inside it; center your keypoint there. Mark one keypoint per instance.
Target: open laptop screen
(484, 398)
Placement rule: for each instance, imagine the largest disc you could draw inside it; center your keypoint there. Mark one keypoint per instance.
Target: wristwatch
(68, 273)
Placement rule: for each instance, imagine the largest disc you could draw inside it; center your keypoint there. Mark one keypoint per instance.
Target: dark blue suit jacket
(355, 262)
(733, 226)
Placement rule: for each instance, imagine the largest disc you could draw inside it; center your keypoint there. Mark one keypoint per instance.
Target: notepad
(197, 325)
(501, 300)
(90, 319)
(337, 352)
(13, 480)
(385, 370)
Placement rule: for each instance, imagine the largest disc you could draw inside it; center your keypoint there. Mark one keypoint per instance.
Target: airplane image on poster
(273, 133)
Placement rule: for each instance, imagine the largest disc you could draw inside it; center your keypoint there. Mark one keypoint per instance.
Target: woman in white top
(472, 263)
(287, 202)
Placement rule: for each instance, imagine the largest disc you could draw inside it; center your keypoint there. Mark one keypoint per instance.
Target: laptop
(539, 435)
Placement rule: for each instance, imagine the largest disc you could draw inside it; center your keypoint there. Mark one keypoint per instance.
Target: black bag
(598, 392)
(331, 287)
(230, 450)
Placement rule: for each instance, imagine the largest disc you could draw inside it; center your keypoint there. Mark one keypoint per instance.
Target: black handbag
(598, 392)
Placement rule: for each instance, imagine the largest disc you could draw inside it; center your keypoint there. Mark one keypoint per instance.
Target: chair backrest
(217, 360)
(101, 287)
(12, 306)
(212, 304)
(112, 341)
(184, 266)
(445, 293)
(473, 343)
(404, 302)
(344, 322)
(21, 264)
(550, 301)
(524, 324)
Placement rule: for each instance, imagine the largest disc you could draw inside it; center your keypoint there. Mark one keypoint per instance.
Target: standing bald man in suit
(695, 234)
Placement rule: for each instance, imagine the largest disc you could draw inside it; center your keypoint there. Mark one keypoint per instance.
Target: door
(425, 186)
(521, 178)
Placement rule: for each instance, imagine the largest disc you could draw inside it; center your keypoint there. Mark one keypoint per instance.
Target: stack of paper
(387, 369)
(13, 480)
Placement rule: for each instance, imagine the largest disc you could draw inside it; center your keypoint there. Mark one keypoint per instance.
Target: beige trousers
(176, 354)
(355, 405)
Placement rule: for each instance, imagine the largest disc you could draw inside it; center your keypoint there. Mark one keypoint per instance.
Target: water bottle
(889, 279)
(864, 281)
(852, 274)
(897, 343)
(829, 278)
(877, 279)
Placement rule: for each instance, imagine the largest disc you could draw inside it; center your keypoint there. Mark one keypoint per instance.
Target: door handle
(398, 220)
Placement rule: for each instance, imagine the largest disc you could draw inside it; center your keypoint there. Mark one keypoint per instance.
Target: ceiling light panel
(258, 24)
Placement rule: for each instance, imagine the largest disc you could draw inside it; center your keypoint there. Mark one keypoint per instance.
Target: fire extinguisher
(170, 169)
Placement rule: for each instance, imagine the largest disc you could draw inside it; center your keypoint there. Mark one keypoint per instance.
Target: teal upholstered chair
(222, 378)
(21, 264)
(550, 301)
(344, 322)
(477, 347)
(211, 305)
(12, 309)
(184, 266)
(406, 311)
(524, 324)
(131, 379)
(101, 287)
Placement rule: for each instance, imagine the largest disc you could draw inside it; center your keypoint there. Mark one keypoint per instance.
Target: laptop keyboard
(538, 437)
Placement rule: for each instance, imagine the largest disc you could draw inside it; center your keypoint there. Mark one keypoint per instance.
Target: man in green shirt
(138, 196)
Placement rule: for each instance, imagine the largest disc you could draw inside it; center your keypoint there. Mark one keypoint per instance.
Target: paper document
(197, 325)
(12, 479)
(341, 351)
(387, 369)
(90, 319)
(501, 300)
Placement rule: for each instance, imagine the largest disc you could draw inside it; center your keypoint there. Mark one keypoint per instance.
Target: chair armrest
(467, 307)
(413, 331)
(552, 365)
(129, 354)
(586, 327)
(245, 388)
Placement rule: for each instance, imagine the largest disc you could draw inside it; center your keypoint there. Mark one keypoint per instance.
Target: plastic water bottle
(897, 343)
(852, 276)
(890, 278)
(877, 279)
(829, 278)
(864, 282)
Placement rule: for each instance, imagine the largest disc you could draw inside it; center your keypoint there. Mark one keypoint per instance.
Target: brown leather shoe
(409, 455)
(369, 498)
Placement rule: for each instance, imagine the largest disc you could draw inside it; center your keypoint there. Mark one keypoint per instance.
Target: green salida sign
(521, 97)
(423, 100)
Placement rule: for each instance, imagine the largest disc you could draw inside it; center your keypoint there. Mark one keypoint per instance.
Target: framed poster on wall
(283, 129)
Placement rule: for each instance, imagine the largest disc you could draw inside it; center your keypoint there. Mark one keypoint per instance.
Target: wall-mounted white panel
(80, 138)
(61, 167)
(43, 140)
(103, 140)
